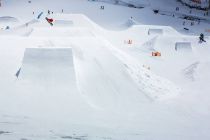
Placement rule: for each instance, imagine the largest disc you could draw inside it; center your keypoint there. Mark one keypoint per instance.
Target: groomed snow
(92, 75)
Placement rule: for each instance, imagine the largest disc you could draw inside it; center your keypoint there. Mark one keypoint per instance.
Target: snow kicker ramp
(8, 19)
(63, 23)
(48, 65)
(183, 46)
(20, 30)
(47, 83)
(102, 78)
(106, 81)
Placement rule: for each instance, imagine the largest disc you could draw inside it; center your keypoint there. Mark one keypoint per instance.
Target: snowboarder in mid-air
(201, 38)
(50, 21)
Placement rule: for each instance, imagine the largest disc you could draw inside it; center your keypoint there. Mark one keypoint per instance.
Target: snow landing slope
(106, 76)
(79, 81)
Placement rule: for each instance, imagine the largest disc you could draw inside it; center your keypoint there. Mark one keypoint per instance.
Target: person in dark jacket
(201, 38)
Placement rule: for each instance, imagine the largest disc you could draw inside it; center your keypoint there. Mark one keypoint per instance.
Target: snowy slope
(81, 79)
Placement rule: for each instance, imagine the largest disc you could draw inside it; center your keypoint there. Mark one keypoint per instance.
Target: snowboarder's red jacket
(50, 20)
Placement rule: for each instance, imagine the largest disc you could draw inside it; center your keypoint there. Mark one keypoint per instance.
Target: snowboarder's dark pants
(202, 40)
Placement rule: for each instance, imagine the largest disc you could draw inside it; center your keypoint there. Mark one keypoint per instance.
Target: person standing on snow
(201, 38)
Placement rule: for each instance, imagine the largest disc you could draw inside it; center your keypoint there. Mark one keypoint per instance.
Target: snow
(202, 3)
(92, 74)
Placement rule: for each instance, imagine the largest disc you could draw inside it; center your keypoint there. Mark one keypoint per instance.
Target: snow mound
(155, 87)
(152, 85)
(75, 20)
(155, 31)
(41, 65)
(198, 71)
(148, 46)
(183, 46)
(16, 32)
(20, 30)
(102, 78)
(130, 22)
(8, 19)
(189, 72)
(202, 72)
(63, 23)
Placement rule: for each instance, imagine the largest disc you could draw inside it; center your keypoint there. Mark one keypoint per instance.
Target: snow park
(104, 70)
